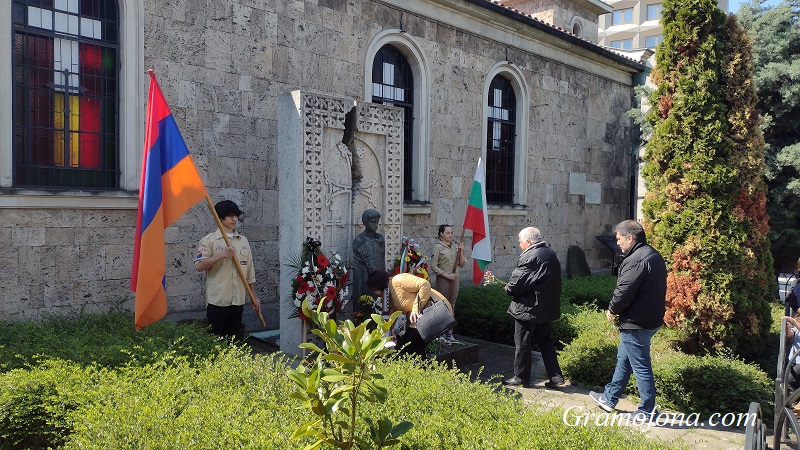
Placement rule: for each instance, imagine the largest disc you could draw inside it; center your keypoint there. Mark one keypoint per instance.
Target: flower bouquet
(411, 260)
(318, 279)
(367, 305)
(490, 280)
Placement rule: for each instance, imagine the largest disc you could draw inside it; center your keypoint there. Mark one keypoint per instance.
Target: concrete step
(459, 355)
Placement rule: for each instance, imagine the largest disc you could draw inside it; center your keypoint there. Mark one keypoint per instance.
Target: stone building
(253, 84)
(634, 24)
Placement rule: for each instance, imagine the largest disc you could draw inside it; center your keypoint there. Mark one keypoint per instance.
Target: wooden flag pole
(455, 265)
(236, 262)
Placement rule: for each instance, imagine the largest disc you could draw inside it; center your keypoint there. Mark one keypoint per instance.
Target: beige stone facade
(224, 66)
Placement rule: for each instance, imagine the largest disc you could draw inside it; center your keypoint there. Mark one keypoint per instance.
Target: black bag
(434, 320)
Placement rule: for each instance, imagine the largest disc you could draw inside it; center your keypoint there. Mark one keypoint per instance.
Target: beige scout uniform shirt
(444, 258)
(223, 286)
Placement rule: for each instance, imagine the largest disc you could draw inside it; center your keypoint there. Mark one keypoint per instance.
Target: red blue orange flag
(170, 185)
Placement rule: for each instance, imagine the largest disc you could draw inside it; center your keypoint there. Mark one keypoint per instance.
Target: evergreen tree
(776, 61)
(704, 210)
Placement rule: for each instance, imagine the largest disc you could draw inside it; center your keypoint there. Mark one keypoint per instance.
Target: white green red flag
(477, 220)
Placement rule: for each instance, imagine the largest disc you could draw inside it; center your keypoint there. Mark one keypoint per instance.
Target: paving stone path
(496, 360)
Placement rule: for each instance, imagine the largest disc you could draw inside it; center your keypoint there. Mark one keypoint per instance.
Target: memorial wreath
(411, 260)
(318, 279)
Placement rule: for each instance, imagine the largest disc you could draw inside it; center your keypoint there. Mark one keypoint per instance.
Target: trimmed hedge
(591, 357)
(595, 290)
(481, 311)
(685, 383)
(105, 339)
(235, 400)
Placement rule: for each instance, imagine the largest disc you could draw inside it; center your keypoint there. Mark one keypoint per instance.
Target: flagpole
(236, 262)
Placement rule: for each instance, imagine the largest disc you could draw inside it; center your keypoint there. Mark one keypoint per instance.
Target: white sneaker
(601, 401)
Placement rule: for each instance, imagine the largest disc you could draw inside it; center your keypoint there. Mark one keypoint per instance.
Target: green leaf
(338, 358)
(306, 429)
(311, 346)
(400, 429)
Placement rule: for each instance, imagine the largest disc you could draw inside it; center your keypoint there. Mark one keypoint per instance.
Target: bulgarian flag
(477, 220)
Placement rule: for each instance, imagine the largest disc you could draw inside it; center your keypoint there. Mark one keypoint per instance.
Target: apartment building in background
(634, 25)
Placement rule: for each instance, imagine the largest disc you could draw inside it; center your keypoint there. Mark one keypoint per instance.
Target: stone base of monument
(459, 355)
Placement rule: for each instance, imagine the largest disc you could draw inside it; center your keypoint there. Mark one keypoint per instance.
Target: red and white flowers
(319, 279)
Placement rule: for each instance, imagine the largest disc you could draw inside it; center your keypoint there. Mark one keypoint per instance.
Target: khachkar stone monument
(337, 158)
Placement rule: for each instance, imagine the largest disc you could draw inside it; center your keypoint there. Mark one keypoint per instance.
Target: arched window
(576, 29)
(393, 84)
(65, 94)
(500, 141)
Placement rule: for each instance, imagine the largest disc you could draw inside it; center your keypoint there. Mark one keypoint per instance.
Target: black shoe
(555, 382)
(514, 381)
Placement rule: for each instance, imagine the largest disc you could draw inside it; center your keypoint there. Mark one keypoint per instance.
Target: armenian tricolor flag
(170, 185)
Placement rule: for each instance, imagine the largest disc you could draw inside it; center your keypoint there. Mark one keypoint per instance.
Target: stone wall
(561, 13)
(223, 66)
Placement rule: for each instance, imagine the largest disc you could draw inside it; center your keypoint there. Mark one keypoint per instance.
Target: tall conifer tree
(704, 209)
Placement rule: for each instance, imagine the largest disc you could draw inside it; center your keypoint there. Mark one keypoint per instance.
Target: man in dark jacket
(638, 305)
(535, 285)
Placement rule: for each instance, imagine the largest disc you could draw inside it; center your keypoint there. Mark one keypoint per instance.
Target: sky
(733, 5)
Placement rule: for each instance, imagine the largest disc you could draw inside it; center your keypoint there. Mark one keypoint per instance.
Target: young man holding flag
(225, 292)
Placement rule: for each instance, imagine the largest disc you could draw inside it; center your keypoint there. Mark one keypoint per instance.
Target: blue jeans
(633, 357)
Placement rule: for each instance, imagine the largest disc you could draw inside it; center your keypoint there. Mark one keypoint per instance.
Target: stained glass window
(65, 94)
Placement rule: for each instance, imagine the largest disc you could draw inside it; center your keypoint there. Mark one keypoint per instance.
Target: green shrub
(450, 411)
(590, 358)
(105, 339)
(37, 405)
(705, 209)
(235, 400)
(686, 383)
(710, 384)
(595, 290)
(232, 399)
(481, 314)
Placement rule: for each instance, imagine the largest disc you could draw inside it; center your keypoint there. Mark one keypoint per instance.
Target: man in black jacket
(535, 285)
(638, 304)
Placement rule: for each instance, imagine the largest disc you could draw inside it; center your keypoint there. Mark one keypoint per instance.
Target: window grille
(500, 139)
(65, 103)
(393, 84)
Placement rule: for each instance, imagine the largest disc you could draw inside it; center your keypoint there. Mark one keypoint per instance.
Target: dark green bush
(481, 313)
(106, 339)
(595, 290)
(710, 384)
(37, 406)
(685, 383)
(590, 358)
